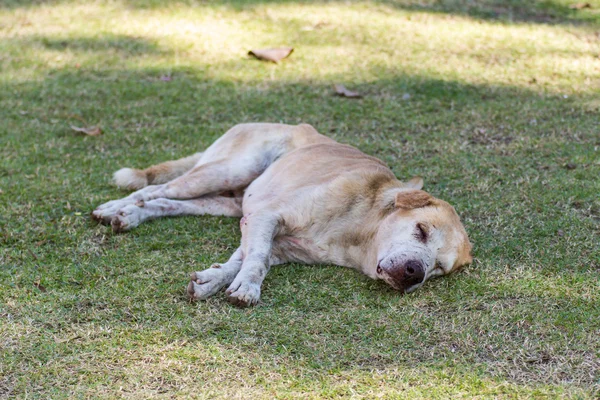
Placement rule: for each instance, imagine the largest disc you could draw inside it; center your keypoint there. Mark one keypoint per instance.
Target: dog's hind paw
(105, 212)
(126, 218)
(100, 217)
(206, 283)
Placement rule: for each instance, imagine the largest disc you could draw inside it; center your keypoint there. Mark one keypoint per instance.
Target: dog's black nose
(413, 272)
(406, 275)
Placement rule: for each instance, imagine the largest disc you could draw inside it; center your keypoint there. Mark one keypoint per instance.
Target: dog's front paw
(243, 293)
(126, 218)
(206, 283)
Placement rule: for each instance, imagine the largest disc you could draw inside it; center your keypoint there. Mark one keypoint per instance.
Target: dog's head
(420, 238)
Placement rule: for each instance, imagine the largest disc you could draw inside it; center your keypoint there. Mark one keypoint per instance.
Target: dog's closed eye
(422, 233)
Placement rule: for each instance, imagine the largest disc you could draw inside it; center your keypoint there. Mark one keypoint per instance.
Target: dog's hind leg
(133, 215)
(232, 162)
(133, 179)
(210, 178)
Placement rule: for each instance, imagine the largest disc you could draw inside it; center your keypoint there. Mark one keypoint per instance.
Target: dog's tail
(133, 179)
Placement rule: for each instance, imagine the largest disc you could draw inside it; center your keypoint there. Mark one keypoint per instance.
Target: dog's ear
(415, 183)
(411, 199)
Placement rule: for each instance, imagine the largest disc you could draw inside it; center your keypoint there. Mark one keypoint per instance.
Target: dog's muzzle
(402, 276)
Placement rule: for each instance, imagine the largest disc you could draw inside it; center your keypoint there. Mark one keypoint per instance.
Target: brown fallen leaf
(39, 286)
(580, 6)
(91, 131)
(341, 90)
(274, 55)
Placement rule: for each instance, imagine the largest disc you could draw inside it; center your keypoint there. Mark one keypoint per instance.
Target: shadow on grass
(551, 12)
(123, 45)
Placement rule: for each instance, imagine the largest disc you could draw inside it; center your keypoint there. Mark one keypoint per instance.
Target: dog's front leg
(204, 284)
(258, 231)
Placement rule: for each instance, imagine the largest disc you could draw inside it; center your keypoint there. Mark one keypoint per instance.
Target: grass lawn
(496, 103)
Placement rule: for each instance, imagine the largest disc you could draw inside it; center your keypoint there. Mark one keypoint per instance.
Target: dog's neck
(358, 241)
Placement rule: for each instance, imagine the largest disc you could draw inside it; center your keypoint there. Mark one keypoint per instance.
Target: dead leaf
(91, 131)
(580, 6)
(39, 286)
(274, 55)
(341, 90)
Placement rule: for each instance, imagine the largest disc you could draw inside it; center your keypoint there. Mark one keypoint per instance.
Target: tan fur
(303, 198)
(413, 199)
(133, 179)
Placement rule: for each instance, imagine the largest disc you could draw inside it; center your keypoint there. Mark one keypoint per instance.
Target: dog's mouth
(413, 288)
(400, 288)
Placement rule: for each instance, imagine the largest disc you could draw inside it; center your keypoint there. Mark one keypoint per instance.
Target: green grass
(492, 102)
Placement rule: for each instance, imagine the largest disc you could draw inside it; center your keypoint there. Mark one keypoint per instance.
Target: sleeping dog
(302, 197)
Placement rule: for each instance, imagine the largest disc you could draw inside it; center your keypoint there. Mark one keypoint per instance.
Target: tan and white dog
(303, 198)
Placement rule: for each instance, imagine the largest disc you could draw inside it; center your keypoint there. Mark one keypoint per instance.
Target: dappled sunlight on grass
(352, 43)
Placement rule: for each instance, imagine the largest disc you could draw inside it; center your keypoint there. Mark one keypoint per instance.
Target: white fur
(128, 178)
